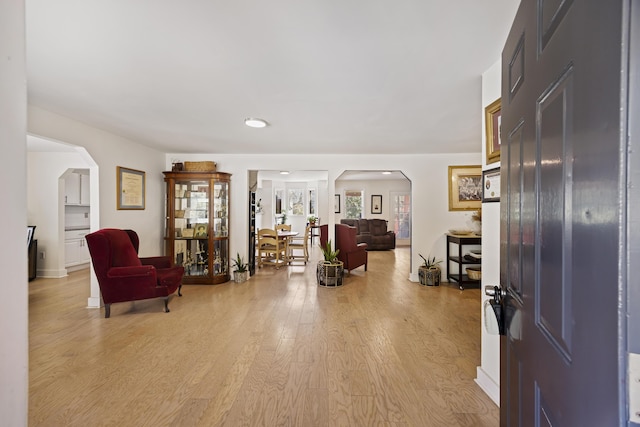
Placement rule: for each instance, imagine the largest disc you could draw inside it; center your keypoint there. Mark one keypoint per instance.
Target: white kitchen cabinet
(76, 189)
(76, 250)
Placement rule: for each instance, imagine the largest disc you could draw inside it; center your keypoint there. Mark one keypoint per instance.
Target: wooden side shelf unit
(456, 259)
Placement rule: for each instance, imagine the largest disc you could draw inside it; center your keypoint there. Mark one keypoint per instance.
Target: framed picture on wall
(491, 185)
(130, 188)
(336, 203)
(465, 188)
(376, 204)
(493, 120)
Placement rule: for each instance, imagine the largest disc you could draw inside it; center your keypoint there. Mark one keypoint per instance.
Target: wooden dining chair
(283, 227)
(270, 248)
(300, 243)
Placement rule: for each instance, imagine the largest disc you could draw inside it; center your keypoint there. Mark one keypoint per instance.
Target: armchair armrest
(134, 271)
(157, 261)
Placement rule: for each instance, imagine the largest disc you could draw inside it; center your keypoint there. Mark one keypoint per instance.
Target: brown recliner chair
(123, 276)
(352, 254)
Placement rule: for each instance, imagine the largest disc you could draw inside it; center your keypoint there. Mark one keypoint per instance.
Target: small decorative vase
(429, 276)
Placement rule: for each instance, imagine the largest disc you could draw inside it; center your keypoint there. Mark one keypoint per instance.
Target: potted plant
(330, 270)
(240, 273)
(312, 220)
(429, 272)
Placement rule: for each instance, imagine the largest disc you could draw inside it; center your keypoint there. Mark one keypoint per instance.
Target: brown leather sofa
(373, 232)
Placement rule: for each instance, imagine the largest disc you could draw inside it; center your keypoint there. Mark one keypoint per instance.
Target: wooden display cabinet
(197, 225)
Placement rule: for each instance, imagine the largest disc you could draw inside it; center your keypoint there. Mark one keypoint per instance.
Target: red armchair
(352, 254)
(123, 276)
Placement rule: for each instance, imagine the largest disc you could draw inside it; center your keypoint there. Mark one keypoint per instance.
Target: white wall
(428, 174)
(109, 151)
(44, 170)
(488, 373)
(13, 262)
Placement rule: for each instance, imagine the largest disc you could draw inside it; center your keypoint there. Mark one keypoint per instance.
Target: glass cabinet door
(221, 207)
(197, 225)
(221, 226)
(191, 225)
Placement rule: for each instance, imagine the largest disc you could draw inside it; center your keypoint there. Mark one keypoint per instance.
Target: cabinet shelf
(464, 261)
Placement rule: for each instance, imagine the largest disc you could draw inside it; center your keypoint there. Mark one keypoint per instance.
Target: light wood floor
(277, 350)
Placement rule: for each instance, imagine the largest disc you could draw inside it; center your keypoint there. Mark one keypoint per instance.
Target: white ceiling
(348, 76)
(309, 175)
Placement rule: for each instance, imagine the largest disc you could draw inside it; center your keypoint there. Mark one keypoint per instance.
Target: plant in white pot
(429, 272)
(330, 270)
(240, 273)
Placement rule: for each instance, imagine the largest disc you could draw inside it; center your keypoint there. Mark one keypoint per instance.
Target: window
(295, 201)
(402, 215)
(353, 204)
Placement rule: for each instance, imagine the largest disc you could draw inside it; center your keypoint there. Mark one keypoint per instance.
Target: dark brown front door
(562, 214)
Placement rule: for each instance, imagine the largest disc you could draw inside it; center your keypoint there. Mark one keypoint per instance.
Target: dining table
(285, 236)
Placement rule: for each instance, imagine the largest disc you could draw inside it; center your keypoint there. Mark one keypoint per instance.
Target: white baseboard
(488, 385)
(51, 273)
(94, 302)
(77, 267)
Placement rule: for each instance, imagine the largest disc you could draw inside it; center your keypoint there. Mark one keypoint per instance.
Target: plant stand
(240, 276)
(330, 274)
(429, 276)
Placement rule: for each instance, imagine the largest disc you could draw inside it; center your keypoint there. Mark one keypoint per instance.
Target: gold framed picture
(465, 188)
(493, 120)
(130, 188)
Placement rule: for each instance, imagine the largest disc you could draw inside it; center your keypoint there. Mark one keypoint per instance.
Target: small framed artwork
(201, 230)
(493, 120)
(491, 185)
(376, 204)
(130, 188)
(465, 188)
(336, 203)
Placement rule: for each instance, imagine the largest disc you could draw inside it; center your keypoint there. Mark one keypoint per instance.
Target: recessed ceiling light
(386, 173)
(284, 172)
(255, 123)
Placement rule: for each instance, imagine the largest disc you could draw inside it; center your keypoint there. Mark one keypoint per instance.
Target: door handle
(497, 293)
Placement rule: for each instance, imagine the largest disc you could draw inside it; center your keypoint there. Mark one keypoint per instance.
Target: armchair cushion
(157, 261)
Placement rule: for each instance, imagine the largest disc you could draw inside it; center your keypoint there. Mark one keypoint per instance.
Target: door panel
(553, 311)
(561, 214)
